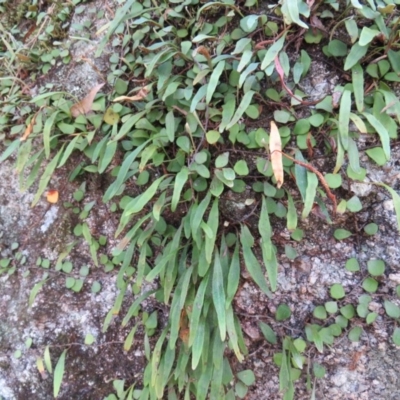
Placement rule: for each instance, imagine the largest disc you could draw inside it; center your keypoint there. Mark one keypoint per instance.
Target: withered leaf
(52, 196)
(85, 105)
(143, 92)
(30, 126)
(275, 147)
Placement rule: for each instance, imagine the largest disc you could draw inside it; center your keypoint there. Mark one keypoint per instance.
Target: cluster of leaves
(209, 70)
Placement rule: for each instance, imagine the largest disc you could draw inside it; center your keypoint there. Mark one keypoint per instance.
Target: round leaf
(355, 333)
(247, 377)
(354, 204)
(241, 168)
(370, 285)
(337, 291)
(334, 180)
(376, 267)
(371, 229)
(352, 265)
(212, 137)
(282, 312)
(320, 312)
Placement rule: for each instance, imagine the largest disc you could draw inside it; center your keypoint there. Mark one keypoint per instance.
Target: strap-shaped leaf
(197, 308)
(246, 100)
(344, 118)
(233, 276)
(381, 131)
(48, 126)
(312, 183)
(214, 80)
(218, 294)
(45, 179)
(180, 180)
(272, 52)
(251, 262)
(59, 373)
(357, 74)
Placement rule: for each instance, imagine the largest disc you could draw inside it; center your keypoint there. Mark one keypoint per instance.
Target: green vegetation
(213, 77)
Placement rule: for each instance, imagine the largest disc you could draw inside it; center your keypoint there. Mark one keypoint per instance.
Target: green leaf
(107, 157)
(45, 178)
(352, 29)
(180, 180)
(355, 333)
(396, 336)
(244, 104)
(198, 97)
(376, 267)
(337, 291)
(291, 214)
(352, 265)
(300, 173)
(354, 204)
(233, 337)
(382, 132)
(197, 308)
(123, 172)
(170, 126)
(228, 109)
(214, 80)
(396, 202)
(356, 53)
(320, 312)
(212, 137)
(127, 125)
(344, 118)
(272, 52)
(371, 229)
(331, 307)
(282, 312)
(370, 285)
(292, 6)
(59, 373)
(311, 191)
(48, 126)
(341, 234)
(392, 310)
(251, 262)
(218, 294)
(318, 370)
(358, 86)
(137, 204)
(247, 377)
(333, 180)
(35, 291)
(268, 333)
(233, 276)
(367, 35)
(348, 311)
(119, 17)
(378, 155)
(337, 48)
(212, 223)
(198, 343)
(47, 360)
(9, 150)
(241, 168)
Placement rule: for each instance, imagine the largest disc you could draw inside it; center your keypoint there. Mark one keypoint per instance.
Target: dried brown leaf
(275, 148)
(85, 105)
(52, 196)
(142, 94)
(30, 126)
